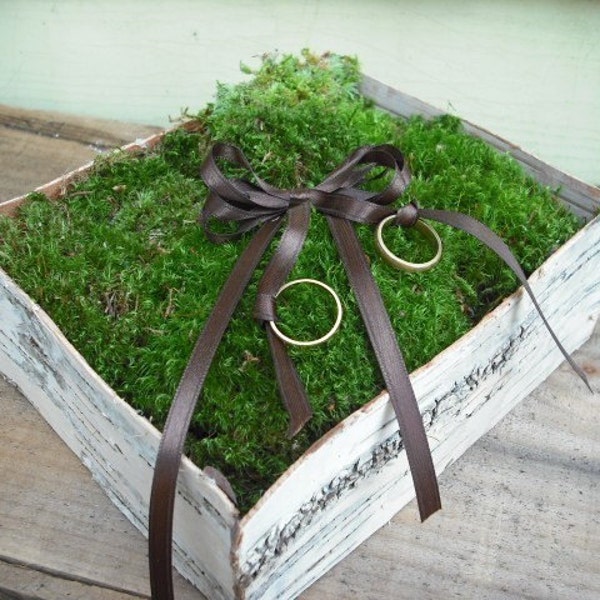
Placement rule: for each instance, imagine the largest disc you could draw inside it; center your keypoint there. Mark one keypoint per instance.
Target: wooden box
(355, 478)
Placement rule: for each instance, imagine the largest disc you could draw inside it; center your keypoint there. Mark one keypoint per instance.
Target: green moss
(125, 271)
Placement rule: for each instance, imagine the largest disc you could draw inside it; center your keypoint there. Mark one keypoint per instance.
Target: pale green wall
(528, 70)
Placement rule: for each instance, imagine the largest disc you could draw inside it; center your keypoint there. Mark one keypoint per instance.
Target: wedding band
(395, 261)
(322, 339)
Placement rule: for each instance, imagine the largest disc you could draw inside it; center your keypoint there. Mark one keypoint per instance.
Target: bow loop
(244, 203)
(265, 308)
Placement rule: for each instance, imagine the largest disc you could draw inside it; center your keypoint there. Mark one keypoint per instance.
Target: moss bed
(123, 268)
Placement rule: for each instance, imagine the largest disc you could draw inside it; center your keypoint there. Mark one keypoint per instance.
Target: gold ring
(395, 261)
(322, 339)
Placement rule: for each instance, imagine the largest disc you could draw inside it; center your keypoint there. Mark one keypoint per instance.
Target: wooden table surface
(521, 514)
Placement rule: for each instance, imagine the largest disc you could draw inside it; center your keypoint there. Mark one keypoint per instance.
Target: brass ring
(395, 261)
(322, 339)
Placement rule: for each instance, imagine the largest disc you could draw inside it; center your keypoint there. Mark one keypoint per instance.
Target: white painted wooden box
(355, 478)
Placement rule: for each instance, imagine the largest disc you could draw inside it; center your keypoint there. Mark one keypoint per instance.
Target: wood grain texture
(59, 531)
(64, 142)
(99, 134)
(520, 518)
(116, 444)
(36, 583)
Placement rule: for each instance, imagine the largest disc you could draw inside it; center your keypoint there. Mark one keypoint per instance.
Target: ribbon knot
(300, 195)
(265, 308)
(407, 216)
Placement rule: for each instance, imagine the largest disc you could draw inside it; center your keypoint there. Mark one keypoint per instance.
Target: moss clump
(125, 271)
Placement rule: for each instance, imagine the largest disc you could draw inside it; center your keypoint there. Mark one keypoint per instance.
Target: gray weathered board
(355, 478)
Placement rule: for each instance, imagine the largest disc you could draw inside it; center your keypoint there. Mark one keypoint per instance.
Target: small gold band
(322, 339)
(395, 261)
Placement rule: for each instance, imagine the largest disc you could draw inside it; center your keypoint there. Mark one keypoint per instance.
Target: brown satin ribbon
(253, 203)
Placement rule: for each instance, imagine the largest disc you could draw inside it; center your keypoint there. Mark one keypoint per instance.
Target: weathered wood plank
(100, 134)
(36, 584)
(111, 439)
(55, 519)
(18, 148)
(520, 518)
(39, 146)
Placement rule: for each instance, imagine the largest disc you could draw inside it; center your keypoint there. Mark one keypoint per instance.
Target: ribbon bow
(250, 203)
(254, 204)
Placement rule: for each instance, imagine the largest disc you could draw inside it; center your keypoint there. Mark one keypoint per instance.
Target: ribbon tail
(293, 393)
(391, 363)
(487, 237)
(291, 389)
(168, 459)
